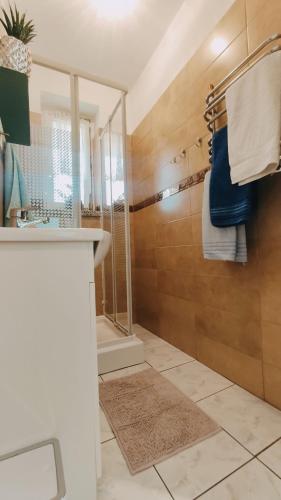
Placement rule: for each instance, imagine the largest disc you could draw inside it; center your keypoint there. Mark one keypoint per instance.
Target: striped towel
(221, 243)
(230, 204)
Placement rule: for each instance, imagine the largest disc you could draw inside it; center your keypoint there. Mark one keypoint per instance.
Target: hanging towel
(15, 194)
(221, 243)
(230, 204)
(253, 105)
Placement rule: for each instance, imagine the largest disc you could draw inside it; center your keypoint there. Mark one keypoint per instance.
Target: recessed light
(114, 9)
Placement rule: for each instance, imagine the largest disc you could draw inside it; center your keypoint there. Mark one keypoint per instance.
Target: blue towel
(15, 194)
(230, 204)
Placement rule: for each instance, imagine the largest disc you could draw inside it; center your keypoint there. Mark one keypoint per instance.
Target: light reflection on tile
(272, 457)
(118, 484)
(252, 482)
(253, 422)
(196, 380)
(196, 469)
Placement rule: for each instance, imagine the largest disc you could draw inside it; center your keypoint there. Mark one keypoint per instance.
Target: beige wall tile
(238, 367)
(272, 384)
(196, 226)
(174, 233)
(145, 257)
(271, 300)
(142, 130)
(198, 157)
(271, 339)
(269, 206)
(196, 198)
(231, 295)
(147, 308)
(265, 23)
(177, 284)
(177, 323)
(178, 259)
(173, 208)
(230, 329)
(146, 278)
(229, 27)
(253, 7)
(226, 314)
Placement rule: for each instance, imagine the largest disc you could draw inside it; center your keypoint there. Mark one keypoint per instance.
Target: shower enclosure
(75, 170)
(115, 219)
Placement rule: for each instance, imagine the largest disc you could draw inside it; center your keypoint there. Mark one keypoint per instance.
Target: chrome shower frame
(121, 104)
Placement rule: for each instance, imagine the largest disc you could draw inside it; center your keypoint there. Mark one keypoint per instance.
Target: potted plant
(14, 53)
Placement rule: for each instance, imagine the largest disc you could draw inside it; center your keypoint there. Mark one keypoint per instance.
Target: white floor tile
(252, 482)
(254, 423)
(163, 356)
(147, 337)
(106, 432)
(272, 457)
(193, 471)
(197, 381)
(118, 484)
(125, 371)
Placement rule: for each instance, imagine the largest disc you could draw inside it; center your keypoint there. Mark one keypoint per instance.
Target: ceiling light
(114, 9)
(218, 45)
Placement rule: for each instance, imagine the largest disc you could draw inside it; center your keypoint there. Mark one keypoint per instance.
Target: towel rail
(216, 95)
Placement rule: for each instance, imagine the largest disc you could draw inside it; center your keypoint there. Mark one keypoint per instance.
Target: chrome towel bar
(215, 100)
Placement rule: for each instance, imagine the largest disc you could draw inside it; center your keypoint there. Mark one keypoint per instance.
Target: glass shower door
(117, 272)
(119, 217)
(107, 222)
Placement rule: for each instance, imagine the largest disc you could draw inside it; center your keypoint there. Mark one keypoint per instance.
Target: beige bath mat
(152, 420)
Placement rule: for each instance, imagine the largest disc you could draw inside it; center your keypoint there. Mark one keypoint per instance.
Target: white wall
(44, 80)
(192, 24)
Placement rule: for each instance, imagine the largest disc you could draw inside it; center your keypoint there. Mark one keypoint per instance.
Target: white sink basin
(102, 248)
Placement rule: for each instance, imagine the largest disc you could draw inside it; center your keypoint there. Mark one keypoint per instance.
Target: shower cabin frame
(127, 351)
(121, 104)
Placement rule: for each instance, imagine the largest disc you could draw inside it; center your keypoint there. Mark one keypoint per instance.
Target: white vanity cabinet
(48, 349)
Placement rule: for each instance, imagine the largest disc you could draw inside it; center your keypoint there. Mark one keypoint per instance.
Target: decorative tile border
(184, 184)
(86, 212)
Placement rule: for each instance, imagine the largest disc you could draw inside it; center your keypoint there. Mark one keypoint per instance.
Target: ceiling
(70, 32)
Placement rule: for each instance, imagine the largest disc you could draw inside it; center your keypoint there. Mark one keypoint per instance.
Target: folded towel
(253, 105)
(15, 194)
(221, 243)
(230, 204)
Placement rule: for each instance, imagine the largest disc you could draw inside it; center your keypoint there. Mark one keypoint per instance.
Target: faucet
(20, 218)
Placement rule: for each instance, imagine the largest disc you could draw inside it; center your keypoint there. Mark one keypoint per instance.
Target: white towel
(221, 243)
(253, 105)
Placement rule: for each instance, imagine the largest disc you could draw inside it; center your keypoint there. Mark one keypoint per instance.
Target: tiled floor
(242, 462)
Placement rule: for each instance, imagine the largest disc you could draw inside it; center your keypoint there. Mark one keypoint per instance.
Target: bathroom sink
(102, 248)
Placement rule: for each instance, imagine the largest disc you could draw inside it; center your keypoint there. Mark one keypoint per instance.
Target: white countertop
(55, 234)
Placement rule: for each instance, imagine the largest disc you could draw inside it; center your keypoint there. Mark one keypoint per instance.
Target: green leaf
(12, 16)
(8, 22)
(15, 24)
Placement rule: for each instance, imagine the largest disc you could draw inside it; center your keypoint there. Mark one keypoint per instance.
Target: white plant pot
(14, 54)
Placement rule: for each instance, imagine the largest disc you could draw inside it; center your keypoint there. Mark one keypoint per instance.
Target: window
(61, 176)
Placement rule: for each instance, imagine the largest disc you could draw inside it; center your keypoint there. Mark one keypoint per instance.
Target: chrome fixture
(20, 218)
(215, 100)
(183, 153)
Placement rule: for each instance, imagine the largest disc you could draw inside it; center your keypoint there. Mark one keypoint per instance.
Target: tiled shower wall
(226, 315)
